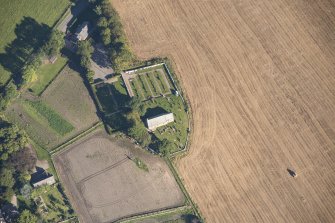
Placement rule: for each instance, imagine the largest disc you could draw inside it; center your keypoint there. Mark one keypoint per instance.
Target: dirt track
(260, 79)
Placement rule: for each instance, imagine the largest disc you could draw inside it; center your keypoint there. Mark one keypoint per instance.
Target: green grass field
(46, 73)
(12, 13)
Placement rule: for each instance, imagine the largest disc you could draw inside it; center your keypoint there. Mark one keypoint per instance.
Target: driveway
(100, 63)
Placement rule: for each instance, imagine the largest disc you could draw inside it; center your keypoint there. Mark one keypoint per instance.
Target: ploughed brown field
(260, 77)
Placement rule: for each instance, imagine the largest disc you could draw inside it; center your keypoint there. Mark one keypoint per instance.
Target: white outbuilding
(82, 31)
(159, 120)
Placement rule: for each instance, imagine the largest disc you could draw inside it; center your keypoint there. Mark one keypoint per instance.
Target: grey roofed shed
(159, 120)
(41, 177)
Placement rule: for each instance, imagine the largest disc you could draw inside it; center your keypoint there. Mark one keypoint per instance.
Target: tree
(121, 56)
(106, 36)
(137, 129)
(11, 138)
(165, 147)
(7, 194)
(28, 74)
(85, 51)
(10, 91)
(7, 94)
(55, 43)
(140, 134)
(98, 10)
(90, 76)
(6, 178)
(102, 23)
(85, 48)
(23, 160)
(27, 217)
(6, 184)
(134, 103)
(85, 62)
(25, 177)
(26, 191)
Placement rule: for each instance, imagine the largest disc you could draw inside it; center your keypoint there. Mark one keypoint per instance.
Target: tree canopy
(113, 37)
(27, 217)
(6, 184)
(11, 138)
(137, 129)
(6, 178)
(23, 160)
(85, 51)
(55, 43)
(164, 147)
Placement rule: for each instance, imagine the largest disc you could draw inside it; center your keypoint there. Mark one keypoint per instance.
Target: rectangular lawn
(46, 73)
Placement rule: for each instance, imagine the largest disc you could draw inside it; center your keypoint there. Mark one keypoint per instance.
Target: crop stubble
(260, 79)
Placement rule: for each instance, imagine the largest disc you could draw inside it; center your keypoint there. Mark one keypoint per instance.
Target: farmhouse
(82, 31)
(41, 177)
(159, 120)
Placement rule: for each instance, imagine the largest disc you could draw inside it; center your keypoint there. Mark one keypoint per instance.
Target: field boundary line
(152, 214)
(189, 112)
(183, 189)
(75, 138)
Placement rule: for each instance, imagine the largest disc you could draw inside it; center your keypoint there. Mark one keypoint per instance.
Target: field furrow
(260, 79)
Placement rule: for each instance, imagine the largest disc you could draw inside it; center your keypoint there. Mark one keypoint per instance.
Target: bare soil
(260, 79)
(104, 185)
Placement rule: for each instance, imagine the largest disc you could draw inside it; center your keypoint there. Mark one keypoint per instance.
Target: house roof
(159, 120)
(39, 176)
(82, 31)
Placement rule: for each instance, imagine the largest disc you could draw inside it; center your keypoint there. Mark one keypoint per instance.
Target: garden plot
(104, 183)
(146, 83)
(51, 203)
